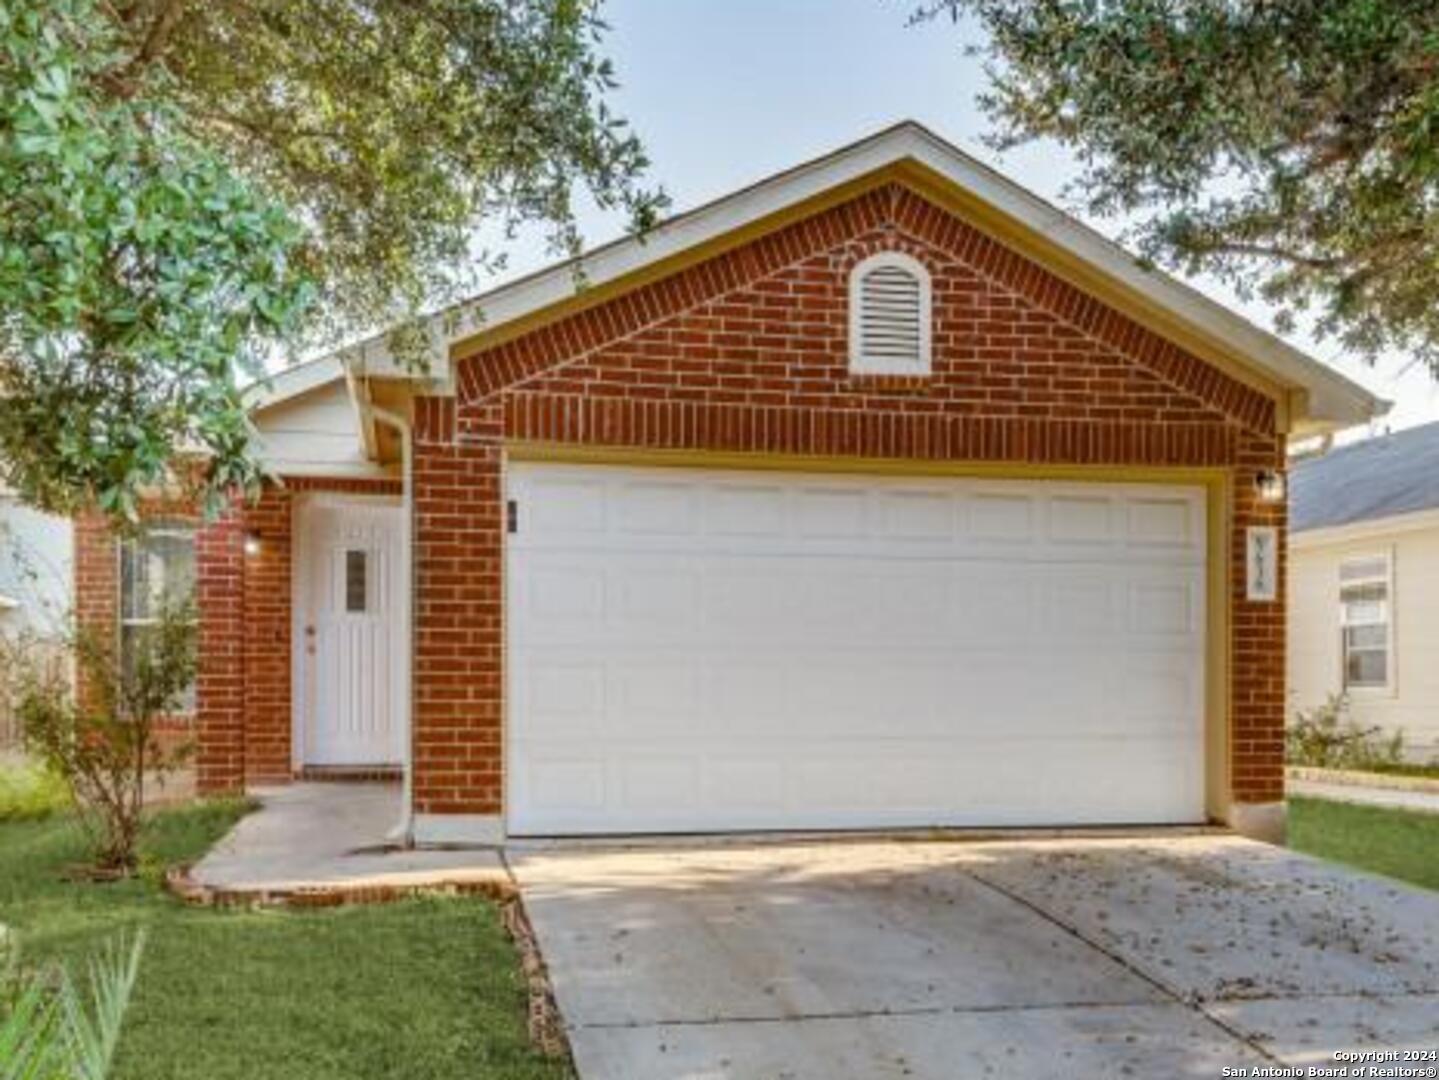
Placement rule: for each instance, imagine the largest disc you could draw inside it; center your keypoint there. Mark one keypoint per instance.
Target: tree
(1290, 147)
(184, 185)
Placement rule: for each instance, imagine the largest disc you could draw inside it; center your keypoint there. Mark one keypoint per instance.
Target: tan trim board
(1371, 529)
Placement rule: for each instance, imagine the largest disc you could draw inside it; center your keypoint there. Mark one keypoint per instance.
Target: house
(1364, 584)
(35, 570)
(877, 494)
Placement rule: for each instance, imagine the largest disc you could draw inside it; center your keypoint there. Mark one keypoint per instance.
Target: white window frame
(1386, 578)
(123, 621)
(861, 364)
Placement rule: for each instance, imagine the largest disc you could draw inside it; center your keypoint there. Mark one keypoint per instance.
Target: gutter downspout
(404, 831)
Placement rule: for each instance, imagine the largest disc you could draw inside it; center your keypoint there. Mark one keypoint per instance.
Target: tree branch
(124, 81)
(1265, 251)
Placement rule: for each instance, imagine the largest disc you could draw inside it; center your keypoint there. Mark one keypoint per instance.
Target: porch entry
(349, 632)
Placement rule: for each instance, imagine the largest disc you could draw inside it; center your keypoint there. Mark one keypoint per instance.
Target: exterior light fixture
(252, 542)
(1269, 485)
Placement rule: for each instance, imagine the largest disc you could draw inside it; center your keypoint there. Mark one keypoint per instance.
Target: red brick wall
(458, 609)
(1257, 638)
(267, 639)
(748, 352)
(220, 686)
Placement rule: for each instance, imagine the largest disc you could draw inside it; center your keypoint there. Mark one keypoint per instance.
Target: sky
(726, 92)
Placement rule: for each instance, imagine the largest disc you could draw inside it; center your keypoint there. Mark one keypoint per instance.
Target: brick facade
(747, 352)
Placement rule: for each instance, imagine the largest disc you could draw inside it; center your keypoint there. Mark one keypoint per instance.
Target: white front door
(699, 650)
(350, 631)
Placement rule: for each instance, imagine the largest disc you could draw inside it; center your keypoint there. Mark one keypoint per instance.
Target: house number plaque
(1262, 556)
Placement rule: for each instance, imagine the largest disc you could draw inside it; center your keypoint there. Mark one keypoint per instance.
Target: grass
(422, 990)
(28, 790)
(1403, 844)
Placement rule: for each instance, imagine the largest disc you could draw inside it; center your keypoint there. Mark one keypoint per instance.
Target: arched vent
(889, 316)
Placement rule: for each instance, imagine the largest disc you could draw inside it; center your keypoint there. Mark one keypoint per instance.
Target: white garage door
(696, 650)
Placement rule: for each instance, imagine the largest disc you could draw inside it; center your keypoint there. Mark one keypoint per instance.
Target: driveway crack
(862, 1014)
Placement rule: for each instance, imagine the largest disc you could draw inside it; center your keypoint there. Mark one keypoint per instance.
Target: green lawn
(411, 991)
(1401, 843)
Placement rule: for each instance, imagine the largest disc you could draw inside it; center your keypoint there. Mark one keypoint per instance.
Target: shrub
(102, 740)
(1327, 737)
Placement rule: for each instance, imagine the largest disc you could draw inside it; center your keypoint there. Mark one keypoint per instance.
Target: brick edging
(180, 883)
(546, 1025)
(1358, 778)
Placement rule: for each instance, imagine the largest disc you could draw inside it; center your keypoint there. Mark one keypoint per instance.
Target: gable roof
(1313, 396)
(1366, 481)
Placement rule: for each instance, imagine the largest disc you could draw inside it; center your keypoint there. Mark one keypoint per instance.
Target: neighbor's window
(889, 316)
(157, 568)
(1366, 621)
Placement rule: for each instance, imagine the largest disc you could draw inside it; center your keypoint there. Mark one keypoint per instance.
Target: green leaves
(140, 276)
(1289, 148)
(187, 189)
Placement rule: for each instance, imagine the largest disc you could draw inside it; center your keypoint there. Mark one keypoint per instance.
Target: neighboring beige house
(1364, 583)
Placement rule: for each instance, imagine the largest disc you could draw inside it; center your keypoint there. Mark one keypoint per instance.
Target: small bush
(1327, 737)
(103, 737)
(28, 790)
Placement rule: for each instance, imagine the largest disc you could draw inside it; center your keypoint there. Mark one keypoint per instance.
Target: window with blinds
(889, 316)
(1366, 622)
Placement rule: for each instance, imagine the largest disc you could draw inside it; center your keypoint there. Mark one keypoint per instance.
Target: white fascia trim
(359, 470)
(469, 830)
(1333, 399)
(293, 382)
(1368, 530)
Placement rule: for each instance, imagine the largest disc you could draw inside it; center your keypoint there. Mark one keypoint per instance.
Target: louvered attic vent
(889, 316)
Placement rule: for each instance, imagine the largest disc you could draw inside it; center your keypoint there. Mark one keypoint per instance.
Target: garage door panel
(917, 517)
(561, 698)
(692, 650)
(1165, 522)
(1082, 521)
(659, 695)
(657, 508)
(999, 519)
(1163, 609)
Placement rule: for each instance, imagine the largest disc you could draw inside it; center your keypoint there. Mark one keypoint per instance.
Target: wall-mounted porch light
(253, 545)
(1269, 485)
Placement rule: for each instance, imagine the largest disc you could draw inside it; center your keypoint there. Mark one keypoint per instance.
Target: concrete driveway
(1134, 957)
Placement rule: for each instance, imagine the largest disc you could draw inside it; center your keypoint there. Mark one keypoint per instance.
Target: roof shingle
(1377, 478)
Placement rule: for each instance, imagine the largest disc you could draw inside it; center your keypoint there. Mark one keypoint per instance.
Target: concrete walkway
(1369, 796)
(319, 837)
(1019, 959)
